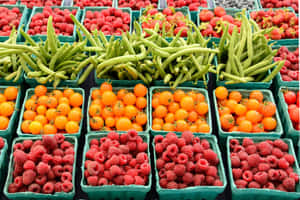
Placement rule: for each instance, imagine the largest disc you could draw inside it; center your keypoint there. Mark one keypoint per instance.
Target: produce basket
(3, 162)
(61, 38)
(115, 89)
(289, 130)
(262, 194)
(30, 92)
(8, 133)
(125, 192)
(93, 9)
(63, 3)
(185, 89)
(23, 20)
(31, 195)
(245, 93)
(193, 193)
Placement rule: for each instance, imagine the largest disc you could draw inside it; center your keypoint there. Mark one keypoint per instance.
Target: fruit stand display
(155, 99)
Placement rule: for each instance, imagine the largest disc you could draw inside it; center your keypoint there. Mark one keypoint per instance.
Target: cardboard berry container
(36, 196)
(289, 130)
(116, 89)
(124, 192)
(185, 89)
(30, 92)
(245, 93)
(23, 20)
(8, 133)
(62, 38)
(196, 192)
(3, 162)
(262, 194)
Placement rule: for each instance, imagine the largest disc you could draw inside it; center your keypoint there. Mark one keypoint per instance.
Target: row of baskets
(139, 191)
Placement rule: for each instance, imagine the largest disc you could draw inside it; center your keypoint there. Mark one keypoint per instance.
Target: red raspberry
(251, 149)
(139, 180)
(69, 168)
(67, 186)
(145, 169)
(159, 148)
(188, 150)
(233, 143)
(18, 181)
(263, 167)
(28, 176)
(198, 179)
(218, 182)
(41, 180)
(282, 175)
(171, 138)
(66, 176)
(18, 146)
(187, 178)
(48, 188)
(60, 138)
(132, 135)
(172, 185)
(102, 181)
(171, 176)
(237, 173)
(58, 187)
(281, 145)
(160, 163)
(289, 184)
(70, 150)
(205, 144)
(269, 185)
(182, 185)
(132, 172)
(35, 143)
(29, 165)
(115, 143)
(254, 170)
(68, 159)
(94, 142)
(264, 148)
(124, 148)
(273, 174)
(242, 155)
(115, 170)
(245, 165)
(38, 151)
(181, 142)
(209, 180)
(49, 142)
(241, 183)
(2, 143)
(132, 145)
(94, 168)
(210, 156)
(27, 144)
(42, 168)
(142, 147)
(113, 135)
(169, 166)
(107, 175)
(99, 157)
(289, 158)
(247, 142)
(141, 157)
(247, 176)
(34, 188)
(272, 161)
(281, 188)
(47, 158)
(238, 148)
(132, 162)
(294, 176)
(179, 169)
(58, 170)
(261, 178)
(172, 150)
(190, 166)
(182, 158)
(253, 160)
(277, 152)
(92, 180)
(283, 163)
(65, 145)
(162, 173)
(58, 152)
(197, 148)
(202, 164)
(163, 182)
(212, 171)
(188, 136)
(235, 161)
(158, 139)
(19, 157)
(128, 180)
(196, 140)
(51, 175)
(253, 184)
(123, 138)
(114, 160)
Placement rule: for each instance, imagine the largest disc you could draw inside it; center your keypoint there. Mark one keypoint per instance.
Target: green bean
(10, 76)
(247, 63)
(79, 35)
(239, 65)
(85, 74)
(274, 71)
(56, 56)
(219, 68)
(167, 78)
(19, 73)
(51, 36)
(175, 39)
(128, 45)
(27, 37)
(196, 63)
(263, 69)
(95, 34)
(251, 69)
(177, 81)
(203, 71)
(30, 62)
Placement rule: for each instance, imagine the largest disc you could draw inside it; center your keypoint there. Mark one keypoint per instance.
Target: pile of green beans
(10, 69)
(136, 57)
(246, 56)
(49, 61)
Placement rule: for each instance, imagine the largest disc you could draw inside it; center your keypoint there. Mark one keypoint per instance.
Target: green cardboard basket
(23, 20)
(289, 130)
(37, 196)
(3, 161)
(262, 194)
(8, 133)
(61, 38)
(128, 10)
(197, 192)
(124, 192)
(29, 93)
(185, 89)
(245, 93)
(115, 89)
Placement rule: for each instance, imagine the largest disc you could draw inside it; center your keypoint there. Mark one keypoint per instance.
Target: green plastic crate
(115, 89)
(30, 92)
(124, 192)
(245, 93)
(23, 20)
(8, 133)
(61, 38)
(197, 192)
(289, 130)
(185, 89)
(282, 41)
(262, 194)
(37, 196)
(128, 10)
(3, 161)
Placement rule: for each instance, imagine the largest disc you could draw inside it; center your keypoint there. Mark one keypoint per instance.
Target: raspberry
(114, 160)
(253, 184)
(241, 183)
(139, 180)
(107, 175)
(171, 138)
(182, 158)
(179, 169)
(218, 182)
(70, 150)
(251, 149)
(29, 165)
(172, 150)
(294, 176)
(162, 173)
(141, 158)
(47, 158)
(289, 184)
(210, 156)
(277, 152)
(289, 158)
(198, 156)
(58, 187)
(235, 161)
(99, 157)
(265, 148)
(18, 146)
(160, 163)
(247, 142)
(48, 188)
(115, 170)
(19, 157)
(139, 139)
(38, 151)
(49, 142)
(197, 148)
(27, 144)
(115, 143)
(132, 146)
(188, 150)
(34, 188)
(158, 139)
(289, 170)
(65, 145)
(281, 188)
(58, 170)
(132, 162)
(242, 155)
(113, 135)
(60, 138)
(282, 175)
(159, 148)
(2, 143)
(128, 180)
(172, 185)
(123, 138)
(272, 161)
(67, 186)
(42, 168)
(197, 179)
(132, 172)
(28, 176)
(196, 140)
(181, 142)
(171, 176)
(190, 166)
(283, 163)
(145, 169)
(261, 178)
(205, 144)
(68, 159)
(41, 180)
(169, 166)
(94, 168)
(69, 168)
(92, 180)
(163, 182)
(58, 152)
(142, 147)
(187, 178)
(237, 173)
(281, 145)
(102, 181)
(187, 136)
(233, 143)
(182, 185)
(66, 176)
(202, 164)
(254, 170)
(253, 160)
(209, 180)
(94, 142)
(273, 174)
(263, 167)
(19, 181)
(247, 176)
(132, 135)
(238, 148)
(51, 175)
(36, 143)
(269, 185)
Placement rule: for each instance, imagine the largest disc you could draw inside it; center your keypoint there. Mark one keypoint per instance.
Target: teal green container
(197, 192)
(245, 93)
(289, 130)
(3, 161)
(23, 20)
(115, 89)
(38, 196)
(185, 89)
(30, 92)
(112, 192)
(262, 194)
(61, 38)
(8, 133)
(282, 41)
(93, 9)
(11, 82)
